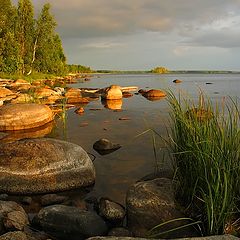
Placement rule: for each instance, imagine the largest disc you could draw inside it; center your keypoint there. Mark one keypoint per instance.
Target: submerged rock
(43, 165)
(104, 146)
(24, 116)
(154, 93)
(64, 222)
(177, 81)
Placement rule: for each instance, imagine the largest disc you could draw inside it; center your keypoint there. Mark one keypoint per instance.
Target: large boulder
(65, 222)
(43, 165)
(24, 116)
(112, 92)
(150, 203)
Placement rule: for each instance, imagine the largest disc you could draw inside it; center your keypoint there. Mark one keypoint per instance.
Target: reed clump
(205, 141)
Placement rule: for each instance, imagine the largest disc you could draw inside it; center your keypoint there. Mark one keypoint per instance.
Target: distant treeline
(73, 68)
(29, 44)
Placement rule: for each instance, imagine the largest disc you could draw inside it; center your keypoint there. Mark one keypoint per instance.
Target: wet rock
(50, 199)
(127, 94)
(124, 118)
(66, 222)
(44, 165)
(177, 81)
(74, 95)
(150, 203)
(104, 146)
(141, 91)
(26, 200)
(154, 93)
(14, 236)
(112, 92)
(24, 116)
(111, 211)
(80, 110)
(12, 216)
(119, 232)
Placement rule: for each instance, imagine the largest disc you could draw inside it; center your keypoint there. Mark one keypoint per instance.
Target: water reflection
(112, 104)
(38, 132)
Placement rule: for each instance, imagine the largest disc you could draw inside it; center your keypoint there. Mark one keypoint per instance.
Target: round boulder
(65, 222)
(112, 92)
(43, 165)
(24, 116)
(154, 93)
(151, 203)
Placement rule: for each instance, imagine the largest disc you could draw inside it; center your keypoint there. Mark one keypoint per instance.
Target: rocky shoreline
(30, 165)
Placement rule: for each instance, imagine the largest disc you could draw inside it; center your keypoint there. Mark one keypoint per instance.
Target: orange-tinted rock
(177, 81)
(154, 93)
(74, 95)
(20, 84)
(112, 92)
(43, 165)
(24, 116)
(23, 98)
(79, 110)
(5, 92)
(45, 92)
(127, 94)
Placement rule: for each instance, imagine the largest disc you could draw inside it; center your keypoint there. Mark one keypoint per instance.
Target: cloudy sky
(142, 34)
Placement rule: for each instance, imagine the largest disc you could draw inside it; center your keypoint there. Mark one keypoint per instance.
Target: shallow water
(118, 170)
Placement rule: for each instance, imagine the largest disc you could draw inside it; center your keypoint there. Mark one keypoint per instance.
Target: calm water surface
(120, 169)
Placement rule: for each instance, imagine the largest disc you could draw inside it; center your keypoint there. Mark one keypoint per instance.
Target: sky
(143, 34)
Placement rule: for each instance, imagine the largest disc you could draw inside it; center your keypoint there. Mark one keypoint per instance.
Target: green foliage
(205, 142)
(28, 45)
(160, 70)
(73, 68)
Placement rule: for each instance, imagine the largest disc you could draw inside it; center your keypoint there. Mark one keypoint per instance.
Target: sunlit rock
(112, 92)
(24, 116)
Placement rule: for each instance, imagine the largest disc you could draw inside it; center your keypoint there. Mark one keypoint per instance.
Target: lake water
(120, 169)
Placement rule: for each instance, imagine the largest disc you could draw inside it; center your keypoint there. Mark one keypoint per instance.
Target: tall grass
(206, 146)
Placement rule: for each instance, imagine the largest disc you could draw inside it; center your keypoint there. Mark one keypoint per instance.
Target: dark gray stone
(104, 146)
(50, 199)
(65, 222)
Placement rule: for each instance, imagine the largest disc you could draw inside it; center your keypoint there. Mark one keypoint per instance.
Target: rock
(127, 94)
(218, 237)
(26, 200)
(141, 91)
(177, 81)
(119, 232)
(13, 216)
(50, 199)
(124, 118)
(112, 104)
(111, 211)
(154, 93)
(24, 116)
(104, 146)
(19, 85)
(112, 92)
(59, 90)
(45, 92)
(24, 98)
(1, 102)
(4, 197)
(4, 92)
(80, 110)
(66, 222)
(151, 203)
(43, 165)
(73, 95)
(14, 236)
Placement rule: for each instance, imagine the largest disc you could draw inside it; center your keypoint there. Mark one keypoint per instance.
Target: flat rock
(43, 165)
(24, 116)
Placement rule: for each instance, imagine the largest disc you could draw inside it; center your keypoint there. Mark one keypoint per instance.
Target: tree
(25, 33)
(160, 70)
(9, 47)
(48, 53)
